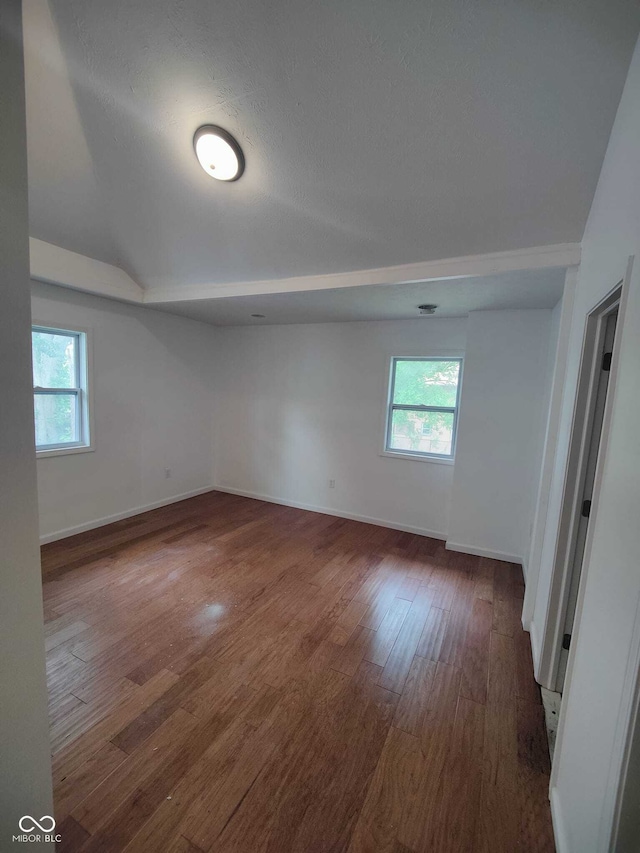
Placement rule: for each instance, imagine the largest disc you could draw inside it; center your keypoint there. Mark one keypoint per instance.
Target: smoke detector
(427, 309)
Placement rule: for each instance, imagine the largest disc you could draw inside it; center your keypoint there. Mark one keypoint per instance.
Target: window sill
(64, 451)
(414, 457)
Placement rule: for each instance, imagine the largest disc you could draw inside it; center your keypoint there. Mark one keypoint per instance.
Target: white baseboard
(535, 647)
(558, 823)
(119, 516)
(337, 513)
(483, 552)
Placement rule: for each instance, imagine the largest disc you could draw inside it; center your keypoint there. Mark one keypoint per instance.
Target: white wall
(558, 350)
(153, 382)
(25, 776)
(305, 404)
(504, 397)
(603, 665)
(296, 406)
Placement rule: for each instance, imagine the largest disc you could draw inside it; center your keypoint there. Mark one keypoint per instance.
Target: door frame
(575, 472)
(612, 822)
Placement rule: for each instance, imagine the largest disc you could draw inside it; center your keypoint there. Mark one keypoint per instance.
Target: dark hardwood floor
(230, 675)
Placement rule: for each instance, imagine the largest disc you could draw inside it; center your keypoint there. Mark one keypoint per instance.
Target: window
(422, 416)
(60, 399)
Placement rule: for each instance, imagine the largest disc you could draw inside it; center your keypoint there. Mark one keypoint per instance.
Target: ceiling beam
(54, 265)
(542, 257)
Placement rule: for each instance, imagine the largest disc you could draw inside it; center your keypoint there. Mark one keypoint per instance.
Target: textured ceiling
(455, 298)
(375, 133)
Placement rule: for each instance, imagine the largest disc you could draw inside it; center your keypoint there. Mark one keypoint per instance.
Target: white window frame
(83, 391)
(416, 455)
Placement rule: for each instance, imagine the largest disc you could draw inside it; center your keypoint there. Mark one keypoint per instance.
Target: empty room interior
(320, 359)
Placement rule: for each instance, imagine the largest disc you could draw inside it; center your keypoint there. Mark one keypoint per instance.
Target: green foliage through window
(417, 384)
(56, 368)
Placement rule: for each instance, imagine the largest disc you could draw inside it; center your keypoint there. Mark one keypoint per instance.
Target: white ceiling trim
(540, 257)
(54, 265)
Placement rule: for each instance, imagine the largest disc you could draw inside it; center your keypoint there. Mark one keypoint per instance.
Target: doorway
(584, 450)
(601, 373)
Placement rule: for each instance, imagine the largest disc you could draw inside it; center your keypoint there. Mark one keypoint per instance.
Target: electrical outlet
(167, 473)
(332, 484)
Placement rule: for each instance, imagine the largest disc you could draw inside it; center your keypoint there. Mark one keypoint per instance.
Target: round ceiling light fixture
(259, 316)
(218, 153)
(427, 309)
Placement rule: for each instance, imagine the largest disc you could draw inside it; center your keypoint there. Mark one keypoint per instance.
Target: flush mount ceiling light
(219, 153)
(427, 309)
(258, 316)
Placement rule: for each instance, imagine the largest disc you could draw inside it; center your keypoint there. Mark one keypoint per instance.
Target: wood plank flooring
(230, 675)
